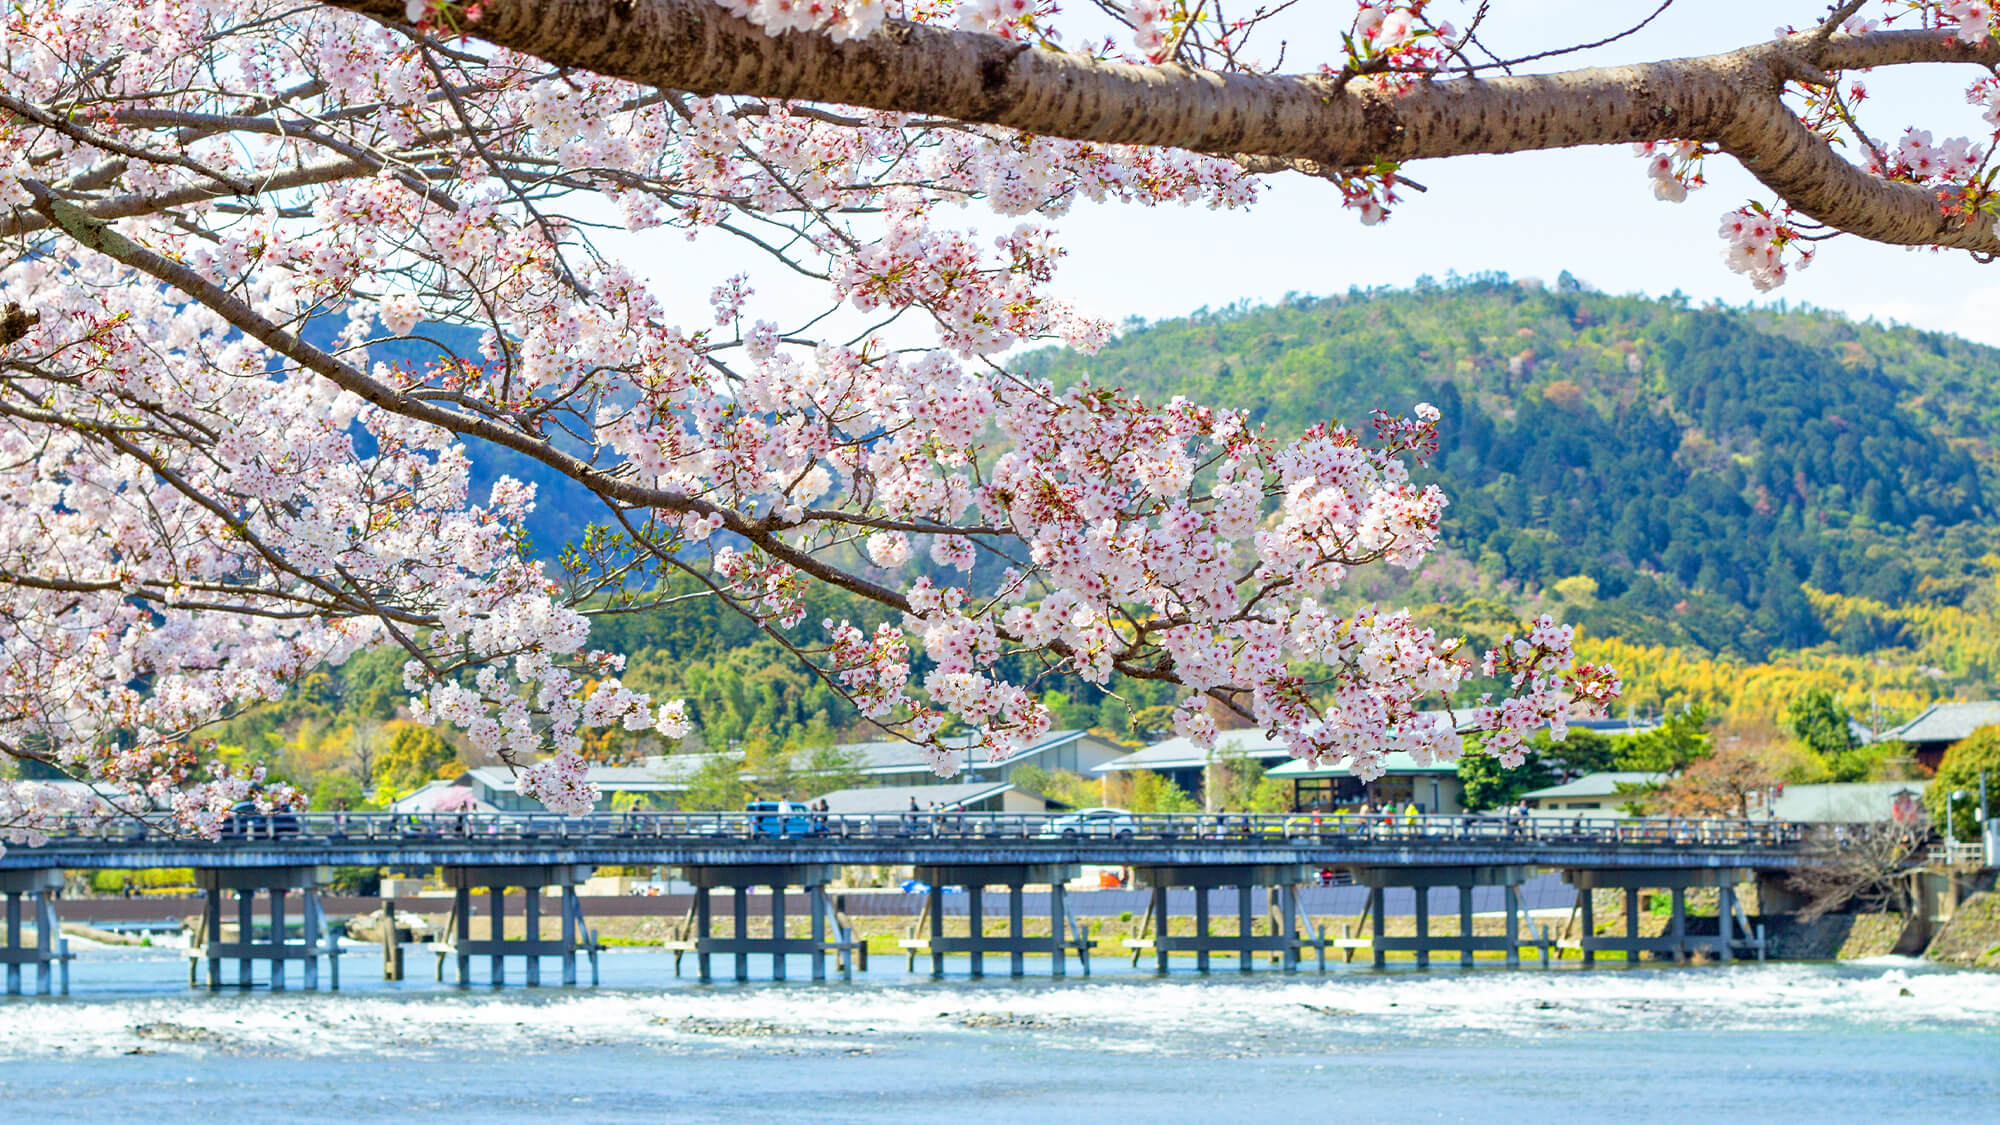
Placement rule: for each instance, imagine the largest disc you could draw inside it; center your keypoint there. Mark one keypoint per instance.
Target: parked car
(246, 822)
(781, 819)
(1104, 824)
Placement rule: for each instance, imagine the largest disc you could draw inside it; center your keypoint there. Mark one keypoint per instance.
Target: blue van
(780, 819)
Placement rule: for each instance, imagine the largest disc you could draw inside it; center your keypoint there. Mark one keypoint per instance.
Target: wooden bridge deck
(728, 839)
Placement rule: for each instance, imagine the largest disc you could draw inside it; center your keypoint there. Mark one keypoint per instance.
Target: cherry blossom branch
(1733, 97)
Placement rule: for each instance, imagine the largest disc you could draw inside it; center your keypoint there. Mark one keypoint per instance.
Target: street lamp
(1957, 797)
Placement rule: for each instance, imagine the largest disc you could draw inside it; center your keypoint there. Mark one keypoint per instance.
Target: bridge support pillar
(211, 946)
(1065, 933)
(1245, 944)
(1422, 880)
(778, 878)
(1733, 931)
(31, 897)
(573, 933)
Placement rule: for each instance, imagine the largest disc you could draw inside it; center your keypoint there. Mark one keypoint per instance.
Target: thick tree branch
(1731, 98)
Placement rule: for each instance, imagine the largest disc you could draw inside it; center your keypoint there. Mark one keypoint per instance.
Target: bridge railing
(1384, 829)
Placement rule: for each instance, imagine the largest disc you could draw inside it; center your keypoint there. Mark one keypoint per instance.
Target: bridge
(284, 853)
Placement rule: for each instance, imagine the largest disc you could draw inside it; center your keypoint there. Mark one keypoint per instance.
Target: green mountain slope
(1699, 465)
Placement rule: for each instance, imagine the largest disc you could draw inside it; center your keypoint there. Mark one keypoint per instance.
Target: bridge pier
(1733, 926)
(50, 953)
(1065, 933)
(1508, 877)
(1244, 945)
(315, 939)
(462, 947)
(778, 877)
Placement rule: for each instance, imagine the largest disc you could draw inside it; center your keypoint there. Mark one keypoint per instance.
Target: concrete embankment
(1972, 936)
(1842, 937)
(105, 937)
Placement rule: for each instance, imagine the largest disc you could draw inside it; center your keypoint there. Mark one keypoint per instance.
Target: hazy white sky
(1589, 211)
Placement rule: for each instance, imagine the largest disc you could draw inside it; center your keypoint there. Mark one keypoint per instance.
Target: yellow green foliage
(414, 754)
(1962, 642)
(1072, 789)
(111, 881)
(1148, 792)
(1959, 772)
(1660, 678)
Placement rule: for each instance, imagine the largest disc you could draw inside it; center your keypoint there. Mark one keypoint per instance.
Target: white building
(1593, 794)
(662, 779)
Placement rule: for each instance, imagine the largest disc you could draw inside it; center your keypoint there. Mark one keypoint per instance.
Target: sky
(1588, 211)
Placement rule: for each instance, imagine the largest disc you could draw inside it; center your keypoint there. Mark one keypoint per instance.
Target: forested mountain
(1703, 467)
(1738, 507)
(1707, 469)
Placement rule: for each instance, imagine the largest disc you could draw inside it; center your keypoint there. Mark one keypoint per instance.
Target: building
(429, 796)
(976, 796)
(1180, 761)
(1858, 802)
(900, 764)
(1433, 787)
(662, 779)
(1595, 794)
(1612, 728)
(1941, 724)
(493, 787)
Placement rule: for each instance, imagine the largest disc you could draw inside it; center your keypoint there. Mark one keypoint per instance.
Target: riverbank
(1972, 936)
(884, 918)
(1835, 937)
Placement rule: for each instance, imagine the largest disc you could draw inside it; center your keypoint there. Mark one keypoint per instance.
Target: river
(1882, 1040)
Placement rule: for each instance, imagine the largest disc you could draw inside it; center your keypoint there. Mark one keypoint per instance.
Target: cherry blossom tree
(222, 216)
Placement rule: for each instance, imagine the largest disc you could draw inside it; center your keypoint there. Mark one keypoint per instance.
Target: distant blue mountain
(563, 508)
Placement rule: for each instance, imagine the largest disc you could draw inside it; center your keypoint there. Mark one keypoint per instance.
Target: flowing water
(1884, 1040)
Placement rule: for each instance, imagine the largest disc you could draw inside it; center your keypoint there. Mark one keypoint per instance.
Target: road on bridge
(675, 838)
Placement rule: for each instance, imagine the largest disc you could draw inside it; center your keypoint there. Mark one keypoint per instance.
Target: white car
(1103, 824)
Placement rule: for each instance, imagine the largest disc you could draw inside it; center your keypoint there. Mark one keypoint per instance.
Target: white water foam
(1127, 1015)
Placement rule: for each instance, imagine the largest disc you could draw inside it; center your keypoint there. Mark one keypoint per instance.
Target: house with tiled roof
(1930, 734)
